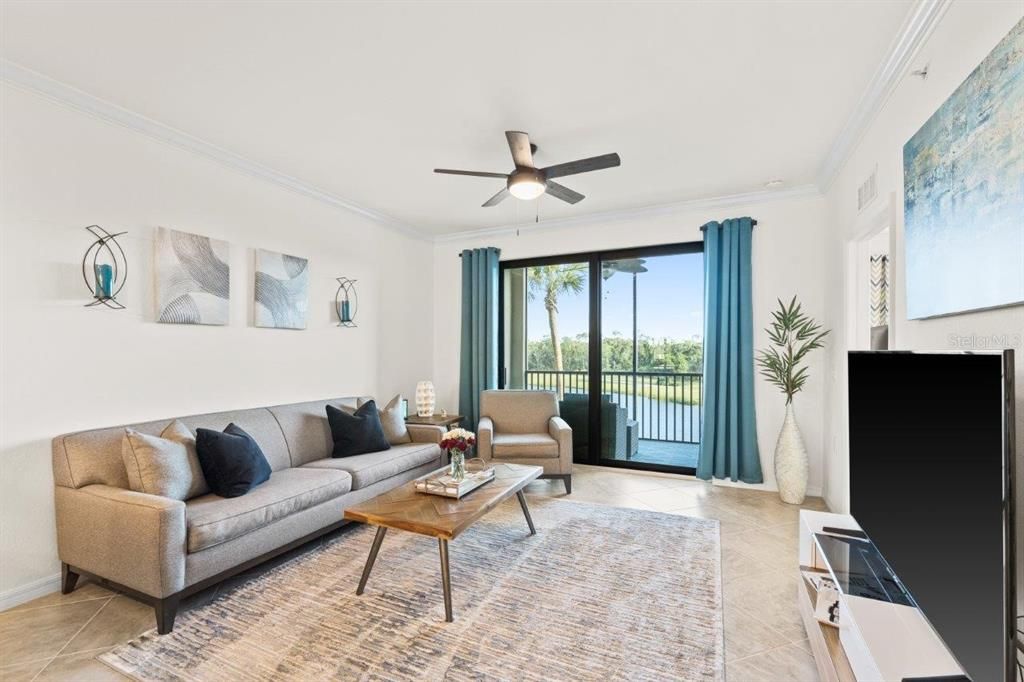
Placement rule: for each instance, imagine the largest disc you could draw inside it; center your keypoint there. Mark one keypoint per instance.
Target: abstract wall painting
(963, 178)
(193, 278)
(282, 290)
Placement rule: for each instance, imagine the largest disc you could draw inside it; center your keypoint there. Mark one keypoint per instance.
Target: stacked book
(442, 483)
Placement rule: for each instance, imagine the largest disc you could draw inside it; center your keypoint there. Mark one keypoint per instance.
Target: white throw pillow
(166, 465)
(392, 420)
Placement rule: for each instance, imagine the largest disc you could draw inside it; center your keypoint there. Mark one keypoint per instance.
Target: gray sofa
(160, 550)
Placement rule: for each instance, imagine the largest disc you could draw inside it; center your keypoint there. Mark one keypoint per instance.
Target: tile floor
(57, 637)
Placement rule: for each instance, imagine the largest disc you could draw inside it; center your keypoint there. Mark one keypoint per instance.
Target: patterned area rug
(600, 593)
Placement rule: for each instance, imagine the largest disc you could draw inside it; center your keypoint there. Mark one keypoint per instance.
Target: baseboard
(812, 491)
(29, 591)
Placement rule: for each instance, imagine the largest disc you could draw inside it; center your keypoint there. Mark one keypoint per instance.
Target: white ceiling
(363, 100)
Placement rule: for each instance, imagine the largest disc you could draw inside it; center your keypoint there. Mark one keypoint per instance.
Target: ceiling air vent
(868, 190)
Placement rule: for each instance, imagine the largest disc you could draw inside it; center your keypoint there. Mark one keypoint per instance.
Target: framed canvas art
(281, 291)
(963, 181)
(193, 278)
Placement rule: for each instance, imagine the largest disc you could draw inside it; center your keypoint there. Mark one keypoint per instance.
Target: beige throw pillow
(390, 418)
(164, 465)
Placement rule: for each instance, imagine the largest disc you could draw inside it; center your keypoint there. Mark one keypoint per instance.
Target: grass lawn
(687, 391)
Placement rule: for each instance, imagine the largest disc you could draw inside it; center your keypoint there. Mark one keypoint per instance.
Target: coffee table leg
(381, 530)
(526, 511)
(446, 580)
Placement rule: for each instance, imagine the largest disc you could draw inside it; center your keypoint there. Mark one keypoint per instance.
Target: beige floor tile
(736, 563)
(730, 522)
(789, 662)
(769, 596)
(746, 636)
(673, 498)
(634, 485)
(85, 591)
(41, 633)
(122, 619)
(22, 672)
(80, 666)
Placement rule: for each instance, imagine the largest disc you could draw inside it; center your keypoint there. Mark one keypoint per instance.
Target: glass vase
(458, 467)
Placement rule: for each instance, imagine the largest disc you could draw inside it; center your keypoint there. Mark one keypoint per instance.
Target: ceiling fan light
(526, 187)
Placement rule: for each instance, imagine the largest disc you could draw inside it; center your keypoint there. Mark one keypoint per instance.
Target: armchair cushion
(518, 411)
(521, 445)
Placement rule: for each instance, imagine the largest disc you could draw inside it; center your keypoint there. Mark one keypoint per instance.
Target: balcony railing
(667, 406)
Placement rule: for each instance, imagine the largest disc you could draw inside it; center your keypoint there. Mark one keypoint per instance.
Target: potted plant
(457, 442)
(793, 335)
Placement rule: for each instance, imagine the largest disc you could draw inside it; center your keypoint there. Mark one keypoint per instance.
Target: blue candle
(345, 316)
(104, 280)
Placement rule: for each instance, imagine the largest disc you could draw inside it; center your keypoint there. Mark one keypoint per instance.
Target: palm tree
(551, 281)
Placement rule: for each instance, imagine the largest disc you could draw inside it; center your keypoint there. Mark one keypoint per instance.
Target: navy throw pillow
(232, 462)
(356, 432)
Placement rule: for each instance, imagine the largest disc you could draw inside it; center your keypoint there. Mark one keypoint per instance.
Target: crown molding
(916, 28)
(61, 93)
(708, 203)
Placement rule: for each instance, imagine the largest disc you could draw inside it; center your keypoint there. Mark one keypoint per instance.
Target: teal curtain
(478, 369)
(728, 446)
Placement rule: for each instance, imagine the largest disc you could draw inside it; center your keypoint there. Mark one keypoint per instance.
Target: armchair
(524, 427)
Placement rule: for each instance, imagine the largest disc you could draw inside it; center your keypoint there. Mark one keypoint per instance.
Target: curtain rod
(753, 223)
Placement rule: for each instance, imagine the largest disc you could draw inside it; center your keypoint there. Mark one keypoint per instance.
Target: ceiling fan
(529, 182)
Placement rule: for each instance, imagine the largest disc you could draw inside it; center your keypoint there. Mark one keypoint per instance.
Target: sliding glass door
(617, 335)
(546, 336)
(652, 319)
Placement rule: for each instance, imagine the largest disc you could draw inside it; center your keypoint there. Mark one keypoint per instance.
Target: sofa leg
(68, 579)
(166, 609)
(567, 479)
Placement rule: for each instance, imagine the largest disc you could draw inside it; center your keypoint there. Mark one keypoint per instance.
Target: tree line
(653, 355)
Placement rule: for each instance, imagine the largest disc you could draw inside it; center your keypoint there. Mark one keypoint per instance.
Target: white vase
(425, 399)
(791, 466)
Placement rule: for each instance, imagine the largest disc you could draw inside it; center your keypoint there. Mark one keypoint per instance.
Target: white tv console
(876, 640)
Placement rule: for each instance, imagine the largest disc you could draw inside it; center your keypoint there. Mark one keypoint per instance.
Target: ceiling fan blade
(476, 174)
(594, 163)
(564, 193)
(497, 198)
(519, 143)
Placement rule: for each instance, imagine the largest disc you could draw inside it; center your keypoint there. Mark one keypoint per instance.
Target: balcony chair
(524, 427)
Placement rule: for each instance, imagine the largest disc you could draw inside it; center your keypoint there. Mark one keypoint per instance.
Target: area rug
(600, 593)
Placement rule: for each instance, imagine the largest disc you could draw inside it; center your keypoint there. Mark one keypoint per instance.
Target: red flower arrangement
(459, 440)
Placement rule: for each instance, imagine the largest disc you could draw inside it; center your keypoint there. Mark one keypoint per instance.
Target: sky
(670, 302)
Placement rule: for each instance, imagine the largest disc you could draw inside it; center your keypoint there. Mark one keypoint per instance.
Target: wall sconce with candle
(346, 302)
(104, 268)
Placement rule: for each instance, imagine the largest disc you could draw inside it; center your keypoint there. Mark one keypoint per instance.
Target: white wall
(787, 247)
(66, 367)
(962, 39)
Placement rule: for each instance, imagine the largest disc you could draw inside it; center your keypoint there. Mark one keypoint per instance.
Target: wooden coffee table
(443, 518)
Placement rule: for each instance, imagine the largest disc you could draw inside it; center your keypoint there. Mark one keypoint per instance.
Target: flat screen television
(931, 481)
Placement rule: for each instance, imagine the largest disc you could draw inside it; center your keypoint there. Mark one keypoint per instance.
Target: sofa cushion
(391, 420)
(231, 460)
(537, 445)
(376, 466)
(166, 465)
(306, 430)
(212, 520)
(357, 432)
